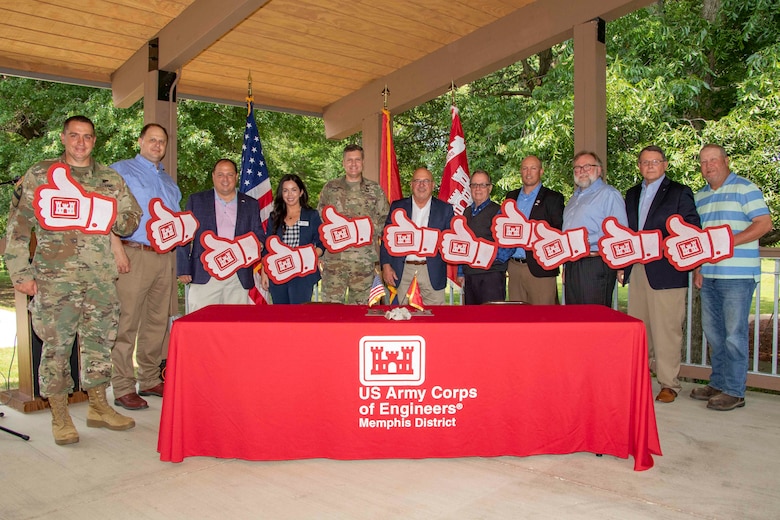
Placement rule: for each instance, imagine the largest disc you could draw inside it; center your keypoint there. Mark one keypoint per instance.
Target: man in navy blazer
(657, 291)
(425, 211)
(229, 215)
(528, 281)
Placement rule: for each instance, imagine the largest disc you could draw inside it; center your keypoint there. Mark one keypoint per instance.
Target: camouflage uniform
(75, 274)
(353, 268)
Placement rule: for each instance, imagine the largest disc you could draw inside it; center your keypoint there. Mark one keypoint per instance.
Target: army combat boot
(101, 415)
(61, 425)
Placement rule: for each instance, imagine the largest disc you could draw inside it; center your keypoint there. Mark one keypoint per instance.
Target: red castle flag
(389, 178)
(455, 179)
(413, 295)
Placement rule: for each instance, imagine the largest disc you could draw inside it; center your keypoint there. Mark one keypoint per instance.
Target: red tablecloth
(329, 381)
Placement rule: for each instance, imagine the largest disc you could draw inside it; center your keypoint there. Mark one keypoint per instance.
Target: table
(285, 382)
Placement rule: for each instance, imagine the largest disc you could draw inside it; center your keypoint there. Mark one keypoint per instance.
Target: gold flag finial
(385, 93)
(452, 90)
(249, 96)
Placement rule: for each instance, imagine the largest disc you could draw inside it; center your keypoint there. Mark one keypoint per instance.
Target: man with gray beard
(590, 280)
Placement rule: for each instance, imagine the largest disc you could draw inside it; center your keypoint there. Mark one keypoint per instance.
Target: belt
(136, 245)
(520, 260)
(416, 262)
(592, 254)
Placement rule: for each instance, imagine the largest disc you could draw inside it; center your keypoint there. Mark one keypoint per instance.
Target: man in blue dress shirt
(528, 281)
(590, 279)
(147, 279)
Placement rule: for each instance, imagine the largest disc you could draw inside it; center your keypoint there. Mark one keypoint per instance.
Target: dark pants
(297, 290)
(489, 286)
(589, 280)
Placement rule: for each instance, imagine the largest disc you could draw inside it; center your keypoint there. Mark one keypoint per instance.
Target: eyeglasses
(424, 182)
(480, 186)
(585, 168)
(654, 162)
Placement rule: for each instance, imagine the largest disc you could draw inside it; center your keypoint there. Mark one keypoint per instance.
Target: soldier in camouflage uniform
(352, 270)
(71, 280)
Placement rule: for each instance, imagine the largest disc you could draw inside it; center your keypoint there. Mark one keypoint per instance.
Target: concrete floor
(715, 465)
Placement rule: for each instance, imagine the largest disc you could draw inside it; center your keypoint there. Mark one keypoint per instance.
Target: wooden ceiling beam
(186, 36)
(529, 30)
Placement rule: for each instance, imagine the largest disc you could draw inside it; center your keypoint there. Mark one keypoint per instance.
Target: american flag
(256, 183)
(377, 291)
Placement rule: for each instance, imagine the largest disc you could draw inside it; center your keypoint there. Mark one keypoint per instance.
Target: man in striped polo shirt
(727, 286)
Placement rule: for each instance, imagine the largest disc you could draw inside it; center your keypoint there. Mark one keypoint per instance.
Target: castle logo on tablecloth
(392, 360)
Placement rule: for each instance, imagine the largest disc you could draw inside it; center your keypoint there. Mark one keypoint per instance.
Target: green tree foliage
(32, 114)
(680, 73)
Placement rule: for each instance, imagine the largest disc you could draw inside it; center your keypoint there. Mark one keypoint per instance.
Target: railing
(763, 355)
(763, 368)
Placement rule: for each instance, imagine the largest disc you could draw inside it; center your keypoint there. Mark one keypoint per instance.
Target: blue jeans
(725, 306)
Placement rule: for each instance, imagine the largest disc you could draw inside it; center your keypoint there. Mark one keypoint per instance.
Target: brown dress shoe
(131, 402)
(704, 393)
(156, 390)
(666, 395)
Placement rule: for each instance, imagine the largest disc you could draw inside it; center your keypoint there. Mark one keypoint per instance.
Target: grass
(9, 372)
(6, 290)
(767, 289)
(9, 369)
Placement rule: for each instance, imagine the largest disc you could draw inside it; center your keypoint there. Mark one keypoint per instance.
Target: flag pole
(249, 97)
(385, 93)
(452, 91)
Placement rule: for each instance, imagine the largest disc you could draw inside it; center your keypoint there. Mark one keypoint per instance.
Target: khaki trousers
(145, 303)
(525, 287)
(217, 292)
(663, 312)
(430, 296)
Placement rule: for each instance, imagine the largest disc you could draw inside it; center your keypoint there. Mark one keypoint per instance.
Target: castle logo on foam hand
(64, 208)
(226, 259)
(392, 360)
(689, 248)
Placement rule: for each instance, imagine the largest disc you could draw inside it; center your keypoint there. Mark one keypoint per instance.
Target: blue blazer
(310, 234)
(202, 206)
(440, 218)
(672, 198)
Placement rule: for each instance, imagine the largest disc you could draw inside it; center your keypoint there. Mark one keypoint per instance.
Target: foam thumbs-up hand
(63, 204)
(403, 237)
(283, 263)
(687, 246)
(621, 246)
(339, 232)
(221, 258)
(511, 228)
(167, 229)
(553, 247)
(459, 245)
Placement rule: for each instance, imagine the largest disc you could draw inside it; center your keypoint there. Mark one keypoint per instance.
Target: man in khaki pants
(656, 294)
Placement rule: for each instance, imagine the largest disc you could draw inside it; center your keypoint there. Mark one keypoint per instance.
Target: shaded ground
(6, 292)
